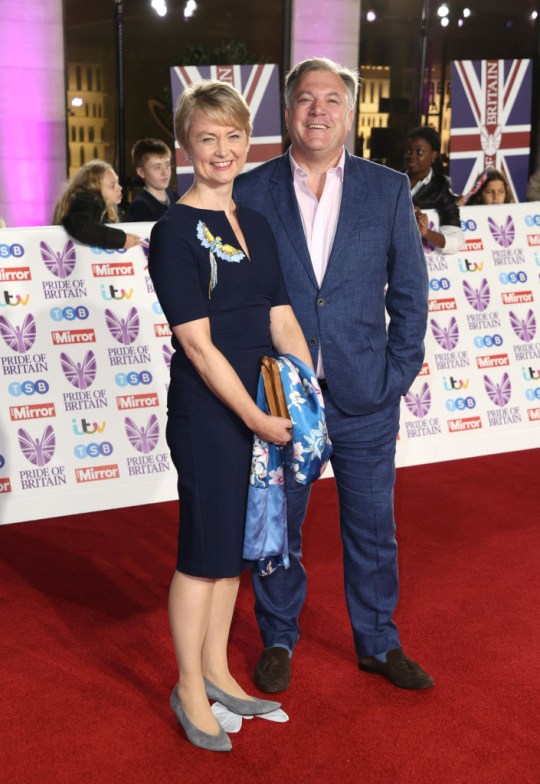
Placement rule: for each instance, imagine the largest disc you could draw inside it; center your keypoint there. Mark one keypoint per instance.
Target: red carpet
(87, 665)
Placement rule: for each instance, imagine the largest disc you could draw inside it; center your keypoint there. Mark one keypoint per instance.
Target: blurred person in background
(152, 161)
(89, 201)
(430, 190)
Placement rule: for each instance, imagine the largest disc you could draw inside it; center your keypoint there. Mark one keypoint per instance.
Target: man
(349, 248)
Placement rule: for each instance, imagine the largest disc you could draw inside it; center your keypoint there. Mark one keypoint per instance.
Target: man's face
(319, 117)
(156, 172)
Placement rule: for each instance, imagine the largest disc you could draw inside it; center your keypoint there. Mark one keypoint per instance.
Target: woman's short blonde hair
(220, 101)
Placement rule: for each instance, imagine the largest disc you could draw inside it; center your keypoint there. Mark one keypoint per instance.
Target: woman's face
(110, 188)
(494, 192)
(419, 156)
(218, 152)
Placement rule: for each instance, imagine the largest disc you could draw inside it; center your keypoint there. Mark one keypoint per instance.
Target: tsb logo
(104, 449)
(14, 250)
(488, 341)
(439, 284)
(99, 251)
(513, 277)
(461, 403)
(40, 387)
(532, 220)
(133, 378)
(69, 313)
(468, 225)
(532, 393)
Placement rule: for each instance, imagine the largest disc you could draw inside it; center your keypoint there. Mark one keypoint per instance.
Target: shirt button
(321, 302)
(312, 342)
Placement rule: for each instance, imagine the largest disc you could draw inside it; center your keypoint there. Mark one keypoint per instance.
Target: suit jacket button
(321, 302)
(312, 342)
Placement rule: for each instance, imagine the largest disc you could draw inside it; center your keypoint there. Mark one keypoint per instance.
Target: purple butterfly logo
(125, 331)
(38, 451)
(504, 234)
(477, 298)
(525, 328)
(420, 404)
(19, 339)
(79, 374)
(167, 355)
(60, 264)
(143, 439)
(447, 338)
(498, 393)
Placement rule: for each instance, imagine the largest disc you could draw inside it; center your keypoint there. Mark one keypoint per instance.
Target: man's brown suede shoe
(273, 670)
(399, 669)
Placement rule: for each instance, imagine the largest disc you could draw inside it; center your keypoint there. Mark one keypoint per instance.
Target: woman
(90, 200)
(216, 273)
(430, 190)
(491, 187)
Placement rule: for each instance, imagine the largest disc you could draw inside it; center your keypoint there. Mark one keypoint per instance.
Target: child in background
(491, 187)
(90, 200)
(152, 161)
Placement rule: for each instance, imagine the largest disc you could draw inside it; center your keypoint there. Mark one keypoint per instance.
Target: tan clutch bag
(273, 388)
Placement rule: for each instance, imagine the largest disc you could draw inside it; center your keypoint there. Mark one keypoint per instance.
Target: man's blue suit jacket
(376, 264)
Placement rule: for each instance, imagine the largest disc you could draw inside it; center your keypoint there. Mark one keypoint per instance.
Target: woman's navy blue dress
(210, 445)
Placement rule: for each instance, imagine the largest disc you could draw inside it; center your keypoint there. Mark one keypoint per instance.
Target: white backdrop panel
(85, 352)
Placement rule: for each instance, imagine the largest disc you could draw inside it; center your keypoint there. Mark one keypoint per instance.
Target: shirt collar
(297, 170)
(426, 179)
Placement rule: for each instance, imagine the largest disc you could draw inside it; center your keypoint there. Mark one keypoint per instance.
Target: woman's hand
(435, 238)
(274, 430)
(132, 240)
(422, 221)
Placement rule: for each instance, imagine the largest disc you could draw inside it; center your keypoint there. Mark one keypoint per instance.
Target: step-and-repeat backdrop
(85, 354)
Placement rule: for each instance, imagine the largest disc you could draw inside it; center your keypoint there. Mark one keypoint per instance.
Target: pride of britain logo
(81, 375)
(504, 233)
(60, 263)
(125, 331)
(38, 451)
(446, 337)
(419, 404)
(478, 298)
(144, 439)
(500, 392)
(19, 338)
(524, 328)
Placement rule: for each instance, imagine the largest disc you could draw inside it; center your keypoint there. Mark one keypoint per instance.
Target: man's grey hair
(349, 77)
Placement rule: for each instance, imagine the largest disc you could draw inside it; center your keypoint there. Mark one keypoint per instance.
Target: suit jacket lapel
(352, 205)
(282, 193)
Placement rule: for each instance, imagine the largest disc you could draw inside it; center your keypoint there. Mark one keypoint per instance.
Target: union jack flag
(491, 122)
(259, 85)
